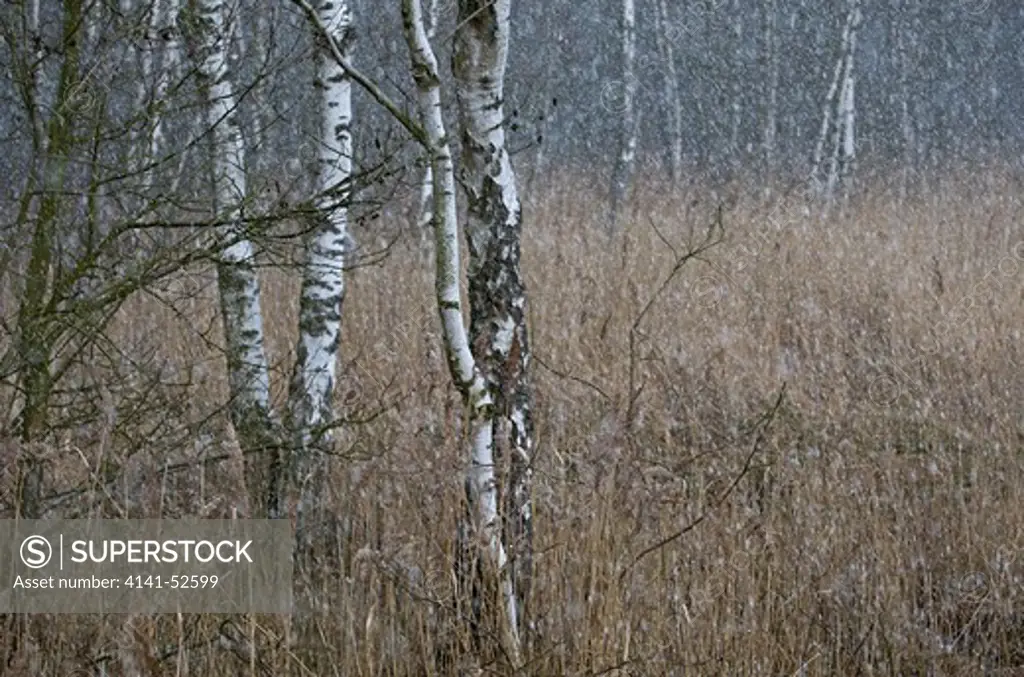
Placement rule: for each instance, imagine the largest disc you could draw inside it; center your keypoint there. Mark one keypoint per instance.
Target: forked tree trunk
(310, 396)
(480, 480)
(238, 284)
(838, 116)
(497, 294)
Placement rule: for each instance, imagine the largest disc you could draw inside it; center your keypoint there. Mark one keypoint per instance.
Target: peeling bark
(238, 284)
(473, 387)
(497, 295)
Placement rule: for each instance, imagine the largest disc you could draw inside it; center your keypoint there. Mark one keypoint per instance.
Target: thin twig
(764, 422)
(710, 240)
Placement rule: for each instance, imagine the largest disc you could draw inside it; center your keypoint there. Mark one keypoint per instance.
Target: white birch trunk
(310, 397)
(738, 85)
(264, 15)
(623, 172)
(771, 124)
(497, 294)
(238, 284)
(145, 50)
(670, 94)
(165, 18)
(35, 76)
(480, 480)
(838, 114)
(162, 38)
(427, 183)
(848, 110)
(817, 187)
(844, 154)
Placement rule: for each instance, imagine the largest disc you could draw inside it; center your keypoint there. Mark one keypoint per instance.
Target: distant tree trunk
(162, 37)
(907, 129)
(739, 84)
(670, 94)
(248, 373)
(145, 49)
(167, 31)
(466, 374)
(771, 104)
(844, 153)
(425, 211)
(264, 16)
(33, 62)
(323, 283)
(622, 175)
(497, 294)
(838, 116)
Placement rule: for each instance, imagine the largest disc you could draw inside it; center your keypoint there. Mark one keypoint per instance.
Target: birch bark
(323, 283)
(427, 183)
(623, 172)
(497, 293)
(238, 284)
(165, 19)
(670, 93)
(838, 115)
(771, 47)
(480, 480)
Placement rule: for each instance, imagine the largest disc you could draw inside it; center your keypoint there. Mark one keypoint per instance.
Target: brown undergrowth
(876, 527)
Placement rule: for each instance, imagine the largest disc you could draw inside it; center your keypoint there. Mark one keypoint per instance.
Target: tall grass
(875, 525)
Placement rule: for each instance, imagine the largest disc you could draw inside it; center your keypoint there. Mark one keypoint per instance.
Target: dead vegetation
(875, 527)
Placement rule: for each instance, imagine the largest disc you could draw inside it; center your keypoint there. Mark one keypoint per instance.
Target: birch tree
(428, 129)
(427, 182)
(165, 29)
(481, 481)
(844, 152)
(323, 283)
(670, 93)
(497, 294)
(237, 281)
(838, 115)
(739, 87)
(623, 172)
(146, 49)
(771, 97)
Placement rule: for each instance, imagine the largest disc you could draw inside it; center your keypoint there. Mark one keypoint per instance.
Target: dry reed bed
(876, 530)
